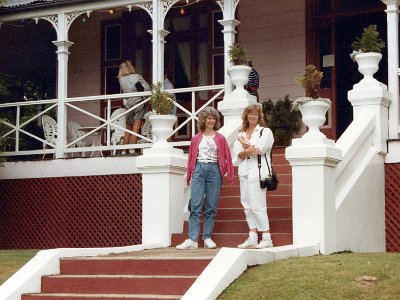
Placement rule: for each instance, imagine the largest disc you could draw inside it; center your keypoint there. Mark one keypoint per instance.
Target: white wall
(273, 32)
(84, 64)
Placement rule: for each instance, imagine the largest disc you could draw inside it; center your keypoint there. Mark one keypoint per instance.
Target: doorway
(331, 29)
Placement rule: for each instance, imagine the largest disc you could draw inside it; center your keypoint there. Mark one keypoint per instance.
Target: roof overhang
(39, 9)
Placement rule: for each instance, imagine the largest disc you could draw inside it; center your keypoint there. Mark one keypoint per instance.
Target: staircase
(149, 274)
(168, 273)
(230, 228)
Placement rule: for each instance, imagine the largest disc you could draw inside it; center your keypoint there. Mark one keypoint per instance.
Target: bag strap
(270, 170)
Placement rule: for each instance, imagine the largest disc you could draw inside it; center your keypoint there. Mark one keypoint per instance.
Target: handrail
(105, 122)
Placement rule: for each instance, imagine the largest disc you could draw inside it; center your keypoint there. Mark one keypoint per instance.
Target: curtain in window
(203, 69)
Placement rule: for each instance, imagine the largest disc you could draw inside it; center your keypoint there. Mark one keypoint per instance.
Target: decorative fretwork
(52, 19)
(84, 211)
(392, 207)
(70, 17)
(235, 4)
(166, 5)
(147, 7)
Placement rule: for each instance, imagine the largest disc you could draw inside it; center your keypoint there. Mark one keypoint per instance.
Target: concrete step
(274, 213)
(240, 226)
(117, 284)
(273, 200)
(133, 266)
(234, 239)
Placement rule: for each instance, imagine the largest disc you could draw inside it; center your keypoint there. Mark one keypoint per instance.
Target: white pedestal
(313, 170)
(163, 183)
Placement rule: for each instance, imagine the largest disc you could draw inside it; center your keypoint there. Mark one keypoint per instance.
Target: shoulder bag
(271, 181)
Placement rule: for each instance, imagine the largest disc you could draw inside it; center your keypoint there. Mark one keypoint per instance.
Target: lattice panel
(89, 211)
(392, 194)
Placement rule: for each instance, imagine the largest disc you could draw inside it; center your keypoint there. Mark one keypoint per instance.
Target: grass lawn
(338, 276)
(12, 260)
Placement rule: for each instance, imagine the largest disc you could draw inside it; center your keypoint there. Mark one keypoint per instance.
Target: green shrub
(282, 119)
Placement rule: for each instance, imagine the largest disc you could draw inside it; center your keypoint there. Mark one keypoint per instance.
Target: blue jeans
(206, 180)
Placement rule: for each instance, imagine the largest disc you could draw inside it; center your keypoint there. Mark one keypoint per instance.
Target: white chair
(73, 129)
(49, 130)
(117, 135)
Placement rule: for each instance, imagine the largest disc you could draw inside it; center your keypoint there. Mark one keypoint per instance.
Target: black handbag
(271, 181)
(139, 87)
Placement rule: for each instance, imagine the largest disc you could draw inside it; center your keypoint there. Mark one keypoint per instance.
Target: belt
(207, 162)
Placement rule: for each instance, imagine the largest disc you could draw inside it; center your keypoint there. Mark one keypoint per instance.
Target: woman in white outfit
(254, 139)
(128, 80)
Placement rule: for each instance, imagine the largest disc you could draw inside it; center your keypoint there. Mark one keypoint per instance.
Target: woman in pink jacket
(209, 159)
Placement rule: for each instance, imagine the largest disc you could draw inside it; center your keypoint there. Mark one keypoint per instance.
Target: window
(113, 42)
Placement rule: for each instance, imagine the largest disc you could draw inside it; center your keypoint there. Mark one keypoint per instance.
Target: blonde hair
(126, 68)
(254, 108)
(204, 114)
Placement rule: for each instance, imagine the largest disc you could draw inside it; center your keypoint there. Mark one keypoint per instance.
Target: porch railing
(101, 125)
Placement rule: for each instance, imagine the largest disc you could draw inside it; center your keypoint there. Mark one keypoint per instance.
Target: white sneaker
(264, 244)
(209, 243)
(248, 244)
(187, 244)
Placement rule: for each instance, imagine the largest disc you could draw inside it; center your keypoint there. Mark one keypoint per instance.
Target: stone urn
(239, 78)
(313, 113)
(162, 128)
(368, 65)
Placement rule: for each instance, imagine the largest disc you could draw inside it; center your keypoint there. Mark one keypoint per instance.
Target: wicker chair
(50, 131)
(117, 135)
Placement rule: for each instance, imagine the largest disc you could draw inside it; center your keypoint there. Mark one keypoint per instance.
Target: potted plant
(282, 119)
(239, 72)
(161, 119)
(313, 108)
(367, 53)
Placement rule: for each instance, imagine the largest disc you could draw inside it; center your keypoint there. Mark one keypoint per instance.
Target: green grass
(12, 260)
(338, 276)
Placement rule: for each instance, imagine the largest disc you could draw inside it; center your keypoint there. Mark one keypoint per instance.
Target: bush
(282, 119)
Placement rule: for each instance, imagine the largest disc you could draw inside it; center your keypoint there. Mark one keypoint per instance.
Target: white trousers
(254, 202)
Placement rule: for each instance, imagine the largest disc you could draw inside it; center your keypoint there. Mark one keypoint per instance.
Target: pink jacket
(224, 157)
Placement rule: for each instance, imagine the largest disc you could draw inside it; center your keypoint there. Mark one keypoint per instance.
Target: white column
(229, 22)
(314, 211)
(158, 63)
(158, 34)
(61, 23)
(163, 182)
(62, 82)
(393, 65)
(229, 38)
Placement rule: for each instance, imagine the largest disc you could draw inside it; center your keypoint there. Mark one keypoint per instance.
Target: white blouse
(249, 167)
(207, 149)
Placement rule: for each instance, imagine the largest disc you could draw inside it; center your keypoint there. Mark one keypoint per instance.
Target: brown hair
(126, 68)
(204, 114)
(253, 108)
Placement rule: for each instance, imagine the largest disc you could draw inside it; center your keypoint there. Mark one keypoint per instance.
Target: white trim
(230, 263)
(69, 167)
(47, 262)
